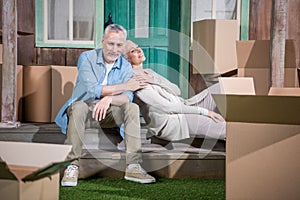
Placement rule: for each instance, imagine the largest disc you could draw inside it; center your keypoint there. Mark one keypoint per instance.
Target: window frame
(41, 25)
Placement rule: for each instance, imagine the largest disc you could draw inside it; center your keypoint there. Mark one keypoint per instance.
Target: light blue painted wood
(245, 10)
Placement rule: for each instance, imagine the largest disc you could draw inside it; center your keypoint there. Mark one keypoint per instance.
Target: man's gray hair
(116, 28)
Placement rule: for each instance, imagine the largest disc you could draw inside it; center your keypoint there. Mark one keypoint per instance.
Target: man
(103, 92)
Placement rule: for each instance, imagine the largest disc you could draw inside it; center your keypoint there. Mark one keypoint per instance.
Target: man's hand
(215, 116)
(144, 78)
(100, 109)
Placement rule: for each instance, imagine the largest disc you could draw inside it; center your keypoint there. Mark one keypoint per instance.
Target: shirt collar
(100, 59)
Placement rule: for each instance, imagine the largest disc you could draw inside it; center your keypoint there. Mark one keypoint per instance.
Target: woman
(167, 115)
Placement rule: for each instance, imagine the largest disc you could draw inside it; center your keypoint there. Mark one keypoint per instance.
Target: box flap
(47, 171)
(32, 154)
(284, 91)
(237, 85)
(259, 109)
(5, 173)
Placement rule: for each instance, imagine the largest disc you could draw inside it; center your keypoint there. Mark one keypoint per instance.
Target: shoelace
(71, 171)
(141, 169)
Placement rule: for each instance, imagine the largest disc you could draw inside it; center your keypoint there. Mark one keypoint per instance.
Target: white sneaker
(70, 176)
(138, 174)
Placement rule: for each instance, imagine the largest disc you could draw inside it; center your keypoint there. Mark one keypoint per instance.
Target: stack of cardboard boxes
(263, 127)
(45, 90)
(263, 130)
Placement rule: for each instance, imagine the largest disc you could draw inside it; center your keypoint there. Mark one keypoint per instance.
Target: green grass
(164, 188)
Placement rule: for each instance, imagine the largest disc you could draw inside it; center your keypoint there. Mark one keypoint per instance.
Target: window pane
(226, 9)
(203, 9)
(83, 24)
(141, 18)
(58, 18)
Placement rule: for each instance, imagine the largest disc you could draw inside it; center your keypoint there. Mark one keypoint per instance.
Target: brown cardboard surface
(262, 146)
(256, 54)
(23, 159)
(1, 50)
(37, 93)
(284, 91)
(291, 77)
(260, 78)
(19, 92)
(21, 171)
(253, 58)
(214, 49)
(262, 161)
(259, 109)
(32, 154)
(46, 189)
(63, 82)
(253, 53)
(237, 85)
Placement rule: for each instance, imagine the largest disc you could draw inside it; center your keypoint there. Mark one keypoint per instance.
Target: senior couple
(104, 91)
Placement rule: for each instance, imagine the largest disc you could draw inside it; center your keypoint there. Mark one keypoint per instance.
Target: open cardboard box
(31, 170)
(253, 59)
(262, 145)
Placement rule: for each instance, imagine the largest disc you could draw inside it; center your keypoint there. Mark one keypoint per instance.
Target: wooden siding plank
(25, 16)
(72, 56)
(260, 20)
(9, 37)
(51, 56)
(26, 50)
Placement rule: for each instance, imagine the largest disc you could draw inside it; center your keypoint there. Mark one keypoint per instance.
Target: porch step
(159, 163)
(186, 158)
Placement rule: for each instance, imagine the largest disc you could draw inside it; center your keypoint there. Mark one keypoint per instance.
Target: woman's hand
(215, 116)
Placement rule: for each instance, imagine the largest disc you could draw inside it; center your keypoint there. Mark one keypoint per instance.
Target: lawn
(164, 188)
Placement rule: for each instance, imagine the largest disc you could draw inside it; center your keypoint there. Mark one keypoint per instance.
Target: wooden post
(278, 37)
(9, 39)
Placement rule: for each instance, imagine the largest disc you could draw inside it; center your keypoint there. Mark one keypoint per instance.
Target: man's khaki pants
(80, 116)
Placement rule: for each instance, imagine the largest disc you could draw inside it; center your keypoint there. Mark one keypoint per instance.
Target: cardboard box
(262, 145)
(37, 93)
(233, 85)
(214, 50)
(63, 82)
(253, 58)
(1, 52)
(284, 91)
(30, 170)
(19, 92)
(46, 89)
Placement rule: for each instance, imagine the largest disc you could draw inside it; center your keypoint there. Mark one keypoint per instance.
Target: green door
(155, 25)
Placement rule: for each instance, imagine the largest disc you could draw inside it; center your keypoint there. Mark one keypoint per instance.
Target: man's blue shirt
(91, 73)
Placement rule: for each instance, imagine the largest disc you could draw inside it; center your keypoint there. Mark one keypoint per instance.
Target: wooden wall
(260, 20)
(28, 54)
